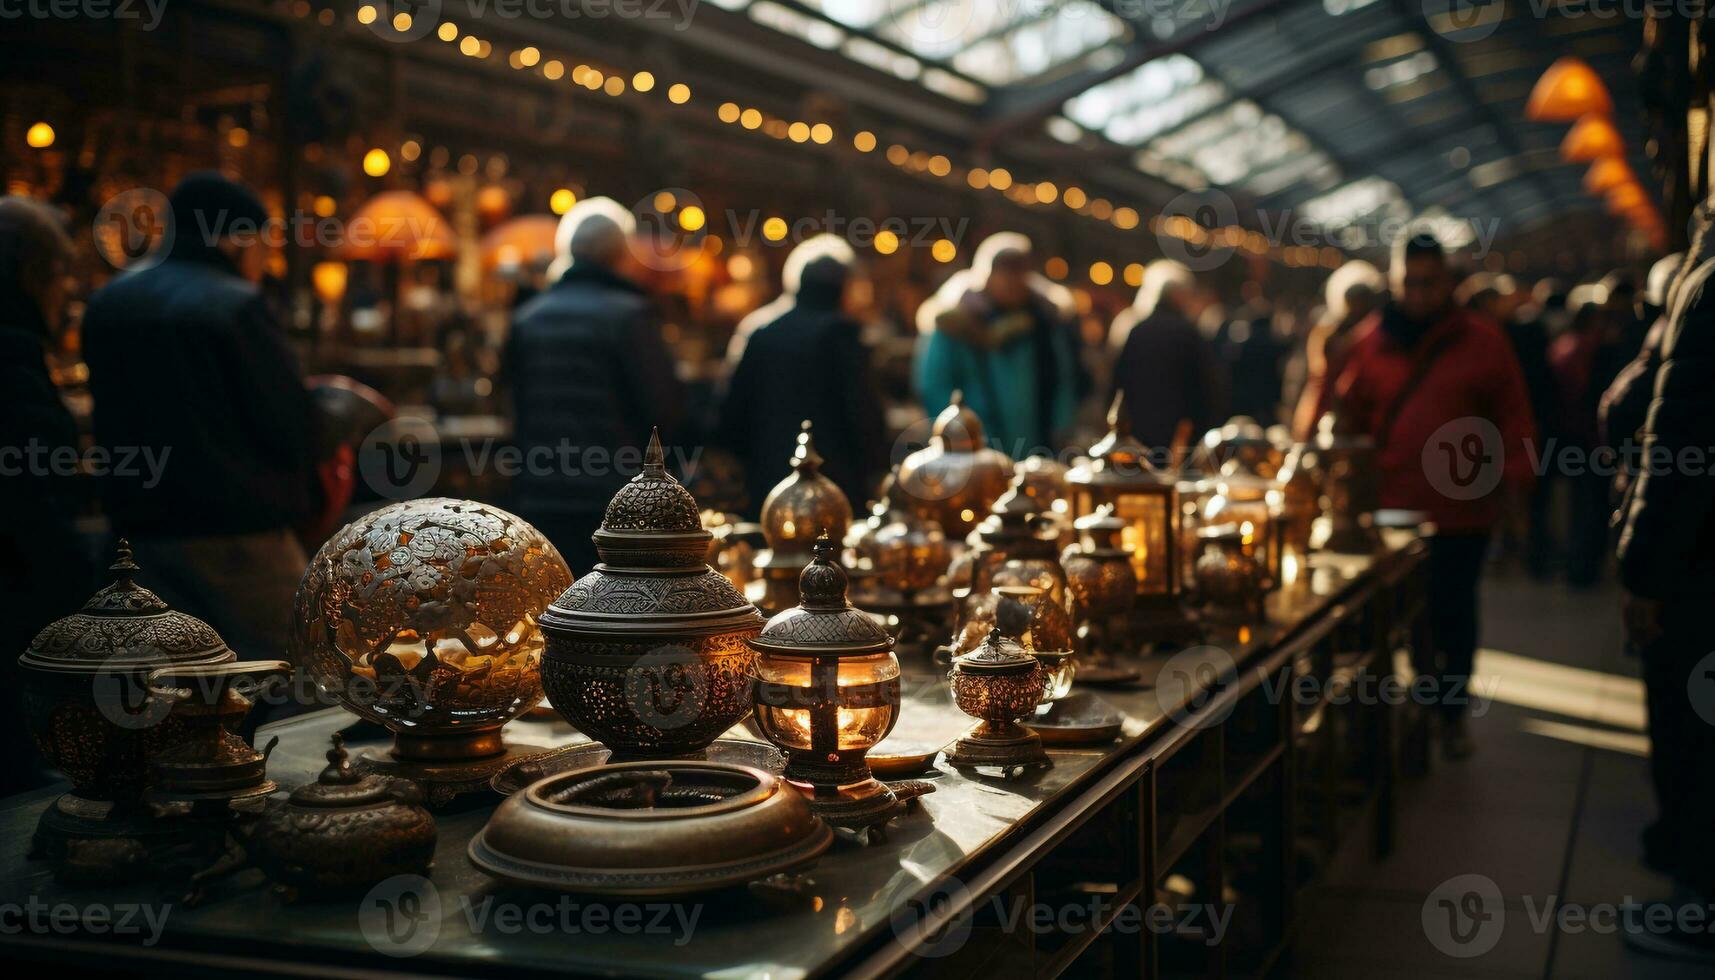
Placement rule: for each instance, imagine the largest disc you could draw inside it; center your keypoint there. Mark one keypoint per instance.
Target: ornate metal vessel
(86, 699)
(1098, 570)
(897, 549)
(647, 653)
(650, 828)
(1349, 487)
(1301, 505)
(957, 477)
(344, 833)
(214, 763)
(1231, 580)
(422, 617)
(799, 508)
(827, 692)
(998, 684)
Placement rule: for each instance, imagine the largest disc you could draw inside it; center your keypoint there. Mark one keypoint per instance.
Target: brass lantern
(794, 513)
(827, 691)
(1119, 473)
(1253, 503)
(957, 477)
(1349, 487)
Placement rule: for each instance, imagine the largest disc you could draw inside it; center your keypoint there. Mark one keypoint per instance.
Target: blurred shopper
(1433, 385)
(1353, 292)
(1667, 566)
(1585, 359)
(189, 367)
(1624, 407)
(1253, 357)
(1529, 329)
(1004, 336)
(590, 374)
(1165, 367)
(801, 357)
(45, 572)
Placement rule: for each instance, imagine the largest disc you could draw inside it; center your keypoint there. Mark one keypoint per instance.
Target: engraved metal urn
(957, 477)
(999, 683)
(1098, 569)
(422, 618)
(647, 652)
(799, 508)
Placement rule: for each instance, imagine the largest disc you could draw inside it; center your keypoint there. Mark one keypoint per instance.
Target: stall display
(999, 684)
(1118, 472)
(1255, 503)
(1300, 507)
(214, 763)
(955, 479)
(900, 569)
(827, 691)
(650, 828)
(344, 833)
(1350, 489)
(799, 508)
(422, 617)
(647, 653)
(1231, 577)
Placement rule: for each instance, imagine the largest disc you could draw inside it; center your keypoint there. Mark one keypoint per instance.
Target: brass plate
(896, 758)
(523, 772)
(1080, 719)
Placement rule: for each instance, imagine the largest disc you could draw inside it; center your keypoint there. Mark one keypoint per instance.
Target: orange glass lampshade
(398, 226)
(1606, 174)
(1626, 198)
(1570, 88)
(524, 240)
(1593, 138)
(493, 203)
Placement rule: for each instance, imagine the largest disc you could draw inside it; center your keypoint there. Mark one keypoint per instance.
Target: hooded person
(1165, 367)
(589, 373)
(1004, 336)
(193, 380)
(800, 358)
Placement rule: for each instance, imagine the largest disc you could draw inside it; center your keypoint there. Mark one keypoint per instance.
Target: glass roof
(1348, 110)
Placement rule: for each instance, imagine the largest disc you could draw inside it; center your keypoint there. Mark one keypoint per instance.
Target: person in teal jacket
(1006, 337)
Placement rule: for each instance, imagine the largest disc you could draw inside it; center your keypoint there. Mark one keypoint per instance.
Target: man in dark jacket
(45, 571)
(1166, 368)
(800, 357)
(1667, 566)
(189, 369)
(589, 373)
(1438, 389)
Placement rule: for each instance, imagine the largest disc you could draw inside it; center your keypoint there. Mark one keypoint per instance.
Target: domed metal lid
(653, 578)
(1118, 458)
(1002, 653)
(957, 428)
(1102, 519)
(804, 504)
(124, 627)
(339, 785)
(1016, 516)
(825, 622)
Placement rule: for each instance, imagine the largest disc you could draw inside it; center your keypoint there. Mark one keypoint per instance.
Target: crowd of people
(187, 356)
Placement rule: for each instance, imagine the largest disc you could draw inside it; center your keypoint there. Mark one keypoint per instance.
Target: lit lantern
(1593, 138)
(1254, 503)
(795, 513)
(328, 279)
(827, 691)
(1118, 472)
(1570, 88)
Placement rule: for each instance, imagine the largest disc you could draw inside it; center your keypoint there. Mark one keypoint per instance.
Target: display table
(1241, 765)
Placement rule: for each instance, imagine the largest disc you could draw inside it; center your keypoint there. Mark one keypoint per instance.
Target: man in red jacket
(1440, 391)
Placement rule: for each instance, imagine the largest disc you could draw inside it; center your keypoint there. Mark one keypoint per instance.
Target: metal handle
(210, 681)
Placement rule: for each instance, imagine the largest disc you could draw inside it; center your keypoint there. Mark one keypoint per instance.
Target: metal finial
(654, 460)
(339, 769)
(124, 565)
(805, 455)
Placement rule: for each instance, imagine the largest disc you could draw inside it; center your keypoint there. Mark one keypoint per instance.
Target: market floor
(1548, 811)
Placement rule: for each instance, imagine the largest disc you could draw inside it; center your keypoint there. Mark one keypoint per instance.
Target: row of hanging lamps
(1571, 91)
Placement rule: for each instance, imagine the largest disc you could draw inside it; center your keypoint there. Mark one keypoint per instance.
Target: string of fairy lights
(1030, 195)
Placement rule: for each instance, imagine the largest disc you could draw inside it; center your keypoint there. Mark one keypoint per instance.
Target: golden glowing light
(401, 21)
(679, 93)
(448, 31)
(944, 250)
(238, 137)
(886, 242)
(410, 150)
(553, 71)
(751, 119)
(376, 163)
(470, 46)
(665, 201)
(324, 206)
(864, 141)
(692, 218)
(978, 178)
(822, 133)
(940, 166)
(897, 155)
(1000, 178)
(1125, 218)
(1101, 273)
(1047, 193)
(740, 267)
(728, 112)
(1074, 198)
(366, 14)
(799, 132)
(614, 85)
(643, 81)
(1056, 268)
(1134, 274)
(562, 200)
(774, 229)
